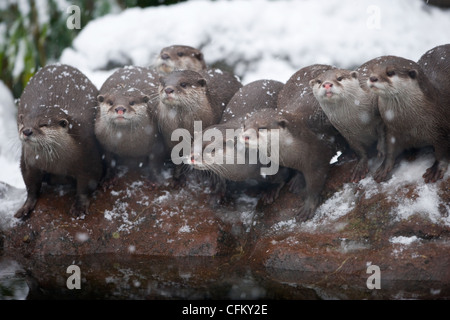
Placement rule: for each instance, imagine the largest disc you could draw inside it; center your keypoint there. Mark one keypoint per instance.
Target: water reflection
(131, 277)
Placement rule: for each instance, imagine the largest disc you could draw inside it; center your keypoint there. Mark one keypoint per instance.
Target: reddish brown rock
(133, 217)
(402, 226)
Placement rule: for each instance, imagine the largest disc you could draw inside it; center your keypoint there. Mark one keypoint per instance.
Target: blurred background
(252, 38)
(34, 32)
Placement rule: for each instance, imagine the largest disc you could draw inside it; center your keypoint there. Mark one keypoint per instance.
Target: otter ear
(161, 80)
(283, 123)
(312, 82)
(354, 74)
(202, 82)
(100, 98)
(20, 117)
(412, 73)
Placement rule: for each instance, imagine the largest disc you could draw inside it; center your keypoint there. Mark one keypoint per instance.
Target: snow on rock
(262, 39)
(11, 199)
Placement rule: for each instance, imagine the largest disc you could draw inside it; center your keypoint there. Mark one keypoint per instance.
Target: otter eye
(319, 82)
(110, 103)
(183, 84)
(131, 103)
(180, 54)
(63, 123)
(390, 73)
(339, 78)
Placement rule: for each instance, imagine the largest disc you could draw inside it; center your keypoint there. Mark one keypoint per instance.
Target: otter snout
(169, 90)
(327, 85)
(27, 132)
(373, 78)
(120, 110)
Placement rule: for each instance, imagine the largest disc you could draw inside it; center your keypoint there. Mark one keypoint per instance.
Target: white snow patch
(185, 229)
(10, 145)
(403, 240)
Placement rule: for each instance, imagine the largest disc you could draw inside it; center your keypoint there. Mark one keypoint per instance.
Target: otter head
(392, 76)
(258, 127)
(335, 84)
(45, 131)
(185, 88)
(180, 58)
(123, 107)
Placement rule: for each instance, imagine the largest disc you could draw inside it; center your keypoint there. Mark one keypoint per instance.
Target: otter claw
(434, 173)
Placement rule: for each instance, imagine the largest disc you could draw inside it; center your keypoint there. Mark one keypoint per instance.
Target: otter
(307, 139)
(126, 124)
(56, 115)
(246, 101)
(353, 111)
(179, 57)
(187, 96)
(413, 101)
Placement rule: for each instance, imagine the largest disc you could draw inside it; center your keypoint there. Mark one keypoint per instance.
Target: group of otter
(388, 105)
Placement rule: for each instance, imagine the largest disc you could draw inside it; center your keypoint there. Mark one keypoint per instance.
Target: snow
(403, 240)
(261, 40)
(426, 201)
(10, 144)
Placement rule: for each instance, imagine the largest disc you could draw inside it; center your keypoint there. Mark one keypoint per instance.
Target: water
(113, 277)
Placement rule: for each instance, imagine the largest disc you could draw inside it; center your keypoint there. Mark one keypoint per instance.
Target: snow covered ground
(259, 39)
(262, 38)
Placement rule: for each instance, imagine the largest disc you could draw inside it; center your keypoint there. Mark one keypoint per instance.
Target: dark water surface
(113, 277)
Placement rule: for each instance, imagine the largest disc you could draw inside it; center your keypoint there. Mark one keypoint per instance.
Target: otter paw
(381, 174)
(359, 172)
(78, 210)
(269, 196)
(434, 173)
(307, 211)
(23, 212)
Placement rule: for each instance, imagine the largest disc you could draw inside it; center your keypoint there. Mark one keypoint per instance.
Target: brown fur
(57, 112)
(249, 99)
(307, 138)
(353, 111)
(193, 97)
(414, 111)
(178, 57)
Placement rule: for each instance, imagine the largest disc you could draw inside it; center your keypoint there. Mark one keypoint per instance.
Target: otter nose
(327, 85)
(165, 56)
(120, 110)
(192, 159)
(27, 132)
(373, 79)
(169, 90)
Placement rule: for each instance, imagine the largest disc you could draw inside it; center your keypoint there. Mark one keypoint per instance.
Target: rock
(133, 217)
(402, 226)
